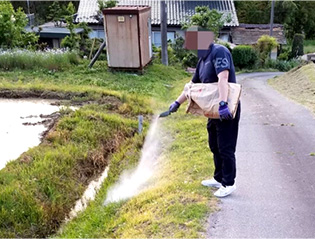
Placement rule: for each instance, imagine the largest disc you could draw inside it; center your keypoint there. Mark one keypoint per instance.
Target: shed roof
(53, 32)
(248, 34)
(177, 10)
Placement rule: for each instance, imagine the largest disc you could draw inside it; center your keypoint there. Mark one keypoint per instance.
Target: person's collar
(203, 54)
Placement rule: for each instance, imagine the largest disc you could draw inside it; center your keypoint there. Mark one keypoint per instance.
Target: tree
(106, 4)
(247, 11)
(296, 16)
(208, 19)
(12, 24)
(301, 19)
(41, 9)
(71, 41)
(56, 14)
(297, 46)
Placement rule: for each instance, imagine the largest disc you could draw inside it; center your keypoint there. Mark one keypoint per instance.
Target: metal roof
(178, 11)
(53, 32)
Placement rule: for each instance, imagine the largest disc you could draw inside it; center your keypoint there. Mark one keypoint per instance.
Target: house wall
(172, 34)
(97, 31)
(175, 32)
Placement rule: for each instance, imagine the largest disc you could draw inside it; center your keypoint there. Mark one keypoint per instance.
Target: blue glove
(225, 113)
(174, 106)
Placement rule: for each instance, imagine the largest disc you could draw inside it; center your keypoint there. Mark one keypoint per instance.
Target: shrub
(297, 46)
(284, 54)
(245, 57)
(178, 48)
(282, 65)
(190, 60)
(226, 44)
(264, 46)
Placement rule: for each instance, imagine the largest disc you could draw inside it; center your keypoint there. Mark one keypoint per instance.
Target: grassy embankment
(38, 190)
(176, 206)
(298, 85)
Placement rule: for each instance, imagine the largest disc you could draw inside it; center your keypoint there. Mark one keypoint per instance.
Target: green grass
(309, 46)
(38, 190)
(175, 206)
(155, 82)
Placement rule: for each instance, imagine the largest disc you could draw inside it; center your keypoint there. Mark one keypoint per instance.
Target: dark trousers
(222, 143)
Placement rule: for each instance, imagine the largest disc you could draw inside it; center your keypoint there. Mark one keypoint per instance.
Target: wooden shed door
(122, 40)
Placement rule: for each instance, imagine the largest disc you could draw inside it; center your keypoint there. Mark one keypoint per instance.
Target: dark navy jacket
(215, 60)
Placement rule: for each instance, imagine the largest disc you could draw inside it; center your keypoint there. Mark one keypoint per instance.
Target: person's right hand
(174, 106)
(225, 113)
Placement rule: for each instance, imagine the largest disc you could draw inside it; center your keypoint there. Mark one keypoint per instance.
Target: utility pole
(28, 7)
(271, 16)
(164, 32)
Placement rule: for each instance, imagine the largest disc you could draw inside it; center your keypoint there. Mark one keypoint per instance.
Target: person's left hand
(225, 113)
(174, 106)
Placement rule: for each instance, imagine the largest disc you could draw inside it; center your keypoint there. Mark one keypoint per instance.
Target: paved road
(275, 194)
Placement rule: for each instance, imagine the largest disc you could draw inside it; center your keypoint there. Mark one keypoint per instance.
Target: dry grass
(298, 85)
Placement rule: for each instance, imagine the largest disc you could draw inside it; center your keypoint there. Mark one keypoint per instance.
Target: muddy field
(23, 124)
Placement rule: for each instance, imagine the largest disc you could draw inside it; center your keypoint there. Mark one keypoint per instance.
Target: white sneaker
(224, 191)
(211, 183)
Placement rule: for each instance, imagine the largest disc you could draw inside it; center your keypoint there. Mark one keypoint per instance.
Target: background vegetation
(297, 16)
(45, 10)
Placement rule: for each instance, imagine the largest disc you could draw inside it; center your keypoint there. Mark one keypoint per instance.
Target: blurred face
(198, 40)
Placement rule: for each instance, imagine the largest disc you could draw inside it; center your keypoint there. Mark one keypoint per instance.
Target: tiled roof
(248, 34)
(177, 10)
(260, 26)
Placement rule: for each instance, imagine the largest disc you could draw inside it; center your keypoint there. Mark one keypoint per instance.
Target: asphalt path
(275, 195)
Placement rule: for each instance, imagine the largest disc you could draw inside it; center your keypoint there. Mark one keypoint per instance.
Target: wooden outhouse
(128, 36)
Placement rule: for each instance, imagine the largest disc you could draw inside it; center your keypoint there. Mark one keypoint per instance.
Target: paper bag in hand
(203, 99)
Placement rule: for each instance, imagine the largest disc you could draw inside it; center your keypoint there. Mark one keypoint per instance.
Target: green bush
(226, 44)
(190, 60)
(52, 60)
(284, 53)
(12, 24)
(265, 44)
(297, 46)
(178, 47)
(282, 65)
(283, 56)
(245, 57)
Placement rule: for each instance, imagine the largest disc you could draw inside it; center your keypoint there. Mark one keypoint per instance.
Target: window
(156, 37)
(97, 34)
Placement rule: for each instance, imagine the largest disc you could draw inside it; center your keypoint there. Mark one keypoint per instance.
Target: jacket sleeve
(221, 61)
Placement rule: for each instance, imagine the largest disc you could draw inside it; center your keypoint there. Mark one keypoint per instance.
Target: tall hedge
(297, 45)
(244, 56)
